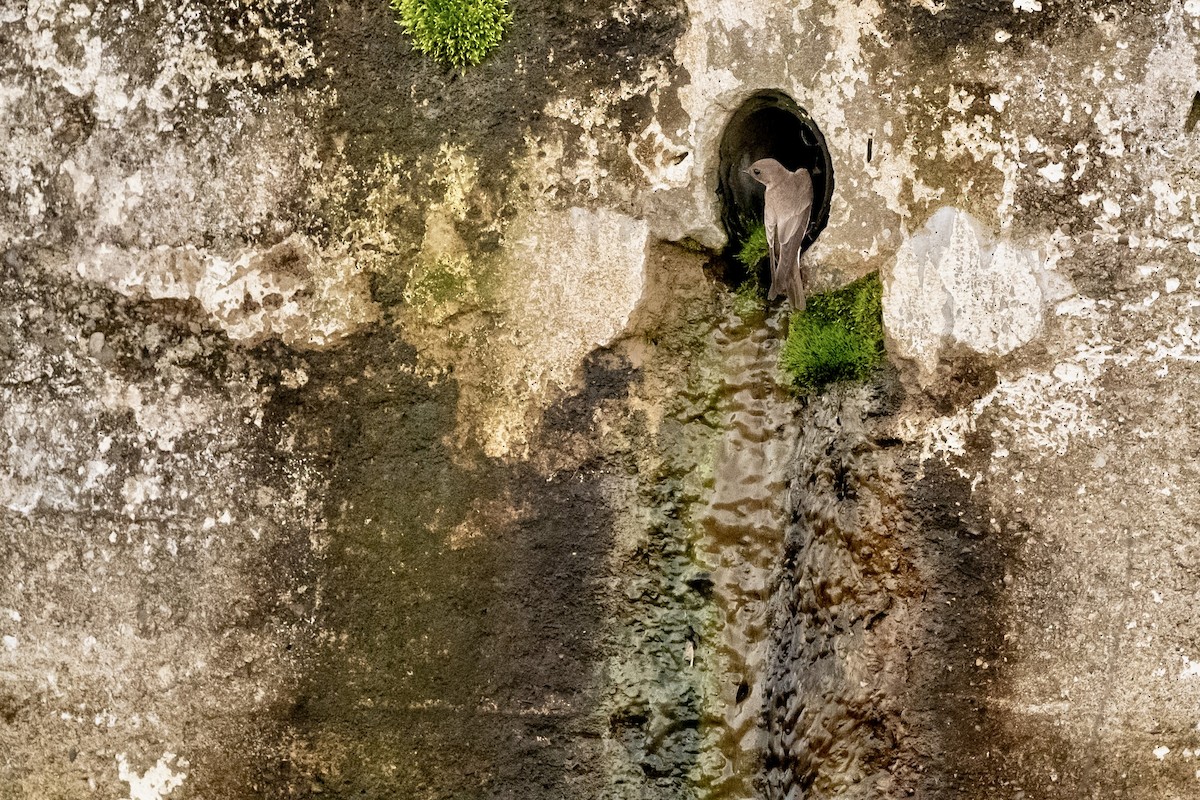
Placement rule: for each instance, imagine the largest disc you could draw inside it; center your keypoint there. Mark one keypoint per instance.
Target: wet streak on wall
(660, 745)
(840, 610)
(741, 540)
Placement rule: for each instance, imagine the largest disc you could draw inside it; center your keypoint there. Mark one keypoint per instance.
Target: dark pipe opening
(770, 124)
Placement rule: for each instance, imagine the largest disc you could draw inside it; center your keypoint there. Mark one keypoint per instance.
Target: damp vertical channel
(740, 540)
(742, 524)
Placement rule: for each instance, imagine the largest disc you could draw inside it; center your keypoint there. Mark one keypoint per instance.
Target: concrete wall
(344, 399)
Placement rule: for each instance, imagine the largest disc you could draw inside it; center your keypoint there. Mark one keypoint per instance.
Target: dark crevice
(769, 124)
(1193, 114)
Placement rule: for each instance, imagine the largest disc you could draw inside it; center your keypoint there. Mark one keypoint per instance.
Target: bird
(787, 208)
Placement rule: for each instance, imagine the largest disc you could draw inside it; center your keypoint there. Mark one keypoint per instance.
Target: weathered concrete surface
(268, 275)
(953, 289)
(195, 603)
(156, 551)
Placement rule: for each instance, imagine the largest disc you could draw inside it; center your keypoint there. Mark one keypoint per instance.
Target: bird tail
(797, 296)
(791, 274)
(775, 264)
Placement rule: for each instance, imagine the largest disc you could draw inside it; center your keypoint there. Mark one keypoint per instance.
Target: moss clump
(749, 299)
(754, 248)
(457, 32)
(838, 337)
(442, 289)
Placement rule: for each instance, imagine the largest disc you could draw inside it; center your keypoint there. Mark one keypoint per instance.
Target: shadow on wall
(769, 124)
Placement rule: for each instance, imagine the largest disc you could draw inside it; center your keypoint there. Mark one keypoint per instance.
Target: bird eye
(757, 172)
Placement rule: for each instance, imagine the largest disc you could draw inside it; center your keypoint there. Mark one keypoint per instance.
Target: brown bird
(788, 205)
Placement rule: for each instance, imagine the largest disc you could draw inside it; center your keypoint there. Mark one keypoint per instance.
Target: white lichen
(153, 784)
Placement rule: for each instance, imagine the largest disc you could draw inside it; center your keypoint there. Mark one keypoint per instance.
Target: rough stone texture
(842, 612)
(289, 291)
(1068, 466)
(156, 551)
(359, 430)
(146, 159)
(1076, 676)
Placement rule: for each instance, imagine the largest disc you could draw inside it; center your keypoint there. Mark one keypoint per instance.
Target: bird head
(766, 171)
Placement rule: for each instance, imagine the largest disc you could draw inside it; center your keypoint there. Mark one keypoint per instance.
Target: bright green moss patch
(754, 248)
(750, 297)
(838, 337)
(457, 32)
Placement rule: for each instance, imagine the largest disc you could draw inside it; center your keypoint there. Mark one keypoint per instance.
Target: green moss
(749, 299)
(445, 282)
(457, 32)
(442, 289)
(838, 337)
(754, 248)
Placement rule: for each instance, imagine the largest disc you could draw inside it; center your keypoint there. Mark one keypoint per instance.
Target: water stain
(741, 541)
(840, 609)
(591, 623)
(700, 534)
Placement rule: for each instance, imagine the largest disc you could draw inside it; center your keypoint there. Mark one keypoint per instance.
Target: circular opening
(769, 124)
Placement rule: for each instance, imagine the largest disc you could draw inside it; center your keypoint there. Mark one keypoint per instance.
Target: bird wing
(791, 272)
(775, 214)
(795, 198)
(772, 234)
(793, 208)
